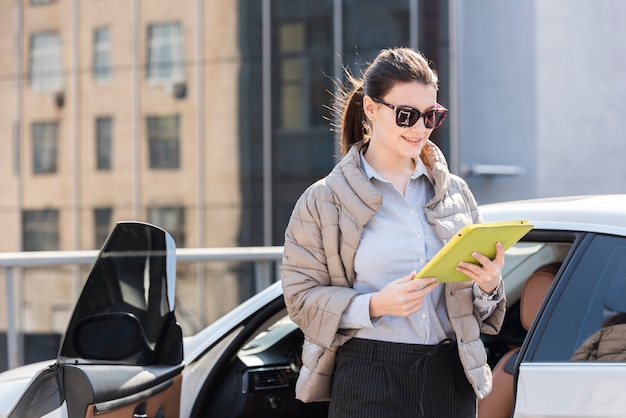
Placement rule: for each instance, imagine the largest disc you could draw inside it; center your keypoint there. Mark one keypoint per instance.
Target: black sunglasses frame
(407, 116)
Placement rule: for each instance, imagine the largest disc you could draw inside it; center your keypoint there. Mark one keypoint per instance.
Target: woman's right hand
(401, 297)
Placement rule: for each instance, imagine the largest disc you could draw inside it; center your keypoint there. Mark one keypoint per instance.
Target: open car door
(122, 353)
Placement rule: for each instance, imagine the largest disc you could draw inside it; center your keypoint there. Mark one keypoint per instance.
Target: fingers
(411, 283)
(402, 297)
(486, 269)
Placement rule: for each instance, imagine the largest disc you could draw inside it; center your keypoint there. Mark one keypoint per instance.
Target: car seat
(499, 403)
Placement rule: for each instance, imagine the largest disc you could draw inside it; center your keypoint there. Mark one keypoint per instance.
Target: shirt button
(424, 316)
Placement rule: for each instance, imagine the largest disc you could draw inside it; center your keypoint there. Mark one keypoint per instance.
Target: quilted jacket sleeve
(312, 242)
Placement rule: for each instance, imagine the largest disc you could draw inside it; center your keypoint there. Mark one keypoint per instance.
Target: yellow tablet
(477, 237)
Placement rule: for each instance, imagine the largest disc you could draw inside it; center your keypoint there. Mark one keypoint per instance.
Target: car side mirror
(111, 336)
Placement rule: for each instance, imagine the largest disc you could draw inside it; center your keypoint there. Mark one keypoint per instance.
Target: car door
(566, 369)
(121, 355)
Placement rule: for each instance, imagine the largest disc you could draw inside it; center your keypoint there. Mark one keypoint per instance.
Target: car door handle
(140, 411)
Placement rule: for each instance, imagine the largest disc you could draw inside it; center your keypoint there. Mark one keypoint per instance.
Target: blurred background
(210, 117)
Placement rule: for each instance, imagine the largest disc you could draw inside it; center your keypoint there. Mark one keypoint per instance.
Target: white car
(123, 352)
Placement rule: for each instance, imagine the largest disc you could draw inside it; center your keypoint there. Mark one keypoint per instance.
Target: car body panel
(571, 390)
(600, 213)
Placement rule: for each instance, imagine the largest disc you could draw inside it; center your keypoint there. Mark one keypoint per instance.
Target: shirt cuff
(495, 296)
(358, 313)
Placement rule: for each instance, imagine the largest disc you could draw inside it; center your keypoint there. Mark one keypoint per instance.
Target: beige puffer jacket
(318, 267)
(606, 344)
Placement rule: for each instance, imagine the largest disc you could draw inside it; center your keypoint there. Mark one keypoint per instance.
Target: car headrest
(614, 299)
(535, 290)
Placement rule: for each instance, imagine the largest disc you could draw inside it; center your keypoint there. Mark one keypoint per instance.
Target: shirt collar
(420, 169)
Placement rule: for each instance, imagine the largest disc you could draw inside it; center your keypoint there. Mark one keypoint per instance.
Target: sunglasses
(407, 116)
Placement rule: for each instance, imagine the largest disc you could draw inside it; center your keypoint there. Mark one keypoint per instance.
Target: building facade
(207, 118)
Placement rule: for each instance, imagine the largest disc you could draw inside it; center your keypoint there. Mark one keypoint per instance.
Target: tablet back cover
(481, 238)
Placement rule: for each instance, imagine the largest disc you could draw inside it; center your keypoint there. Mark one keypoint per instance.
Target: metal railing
(263, 259)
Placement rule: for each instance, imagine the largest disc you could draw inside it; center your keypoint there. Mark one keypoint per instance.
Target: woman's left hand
(487, 273)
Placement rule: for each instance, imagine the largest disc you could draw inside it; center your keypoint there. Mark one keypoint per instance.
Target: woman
(389, 345)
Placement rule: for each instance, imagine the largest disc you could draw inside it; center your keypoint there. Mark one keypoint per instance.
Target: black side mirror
(111, 336)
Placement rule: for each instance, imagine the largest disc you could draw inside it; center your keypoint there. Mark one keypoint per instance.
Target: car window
(586, 309)
(124, 309)
(540, 251)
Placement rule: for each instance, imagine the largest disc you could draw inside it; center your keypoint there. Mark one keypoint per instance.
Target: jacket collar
(437, 167)
(365, 200)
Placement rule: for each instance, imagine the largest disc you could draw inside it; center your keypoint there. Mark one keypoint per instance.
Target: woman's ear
(369, 107)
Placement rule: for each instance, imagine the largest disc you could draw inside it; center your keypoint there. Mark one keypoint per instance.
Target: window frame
(104, 143)
(102, 229)
(160, 216)
(163, 38)
(102, 57)
(164, 144)
(44, 229)
(45, 147)
(45, 61)
(563, 324)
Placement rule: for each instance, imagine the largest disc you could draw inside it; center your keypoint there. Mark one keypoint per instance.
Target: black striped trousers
(383, 379)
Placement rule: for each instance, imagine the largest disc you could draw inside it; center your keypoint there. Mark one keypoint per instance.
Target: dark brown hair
(391, 66)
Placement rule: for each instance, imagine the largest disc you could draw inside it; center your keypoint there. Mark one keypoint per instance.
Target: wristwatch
(485, 296)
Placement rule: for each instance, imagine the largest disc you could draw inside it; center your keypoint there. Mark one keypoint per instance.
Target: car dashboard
(260, 380)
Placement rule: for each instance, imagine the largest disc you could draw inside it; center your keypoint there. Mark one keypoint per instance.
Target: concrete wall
(581, 97)
(542, 88)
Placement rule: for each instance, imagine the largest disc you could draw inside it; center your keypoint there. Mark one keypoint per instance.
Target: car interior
(258, 379)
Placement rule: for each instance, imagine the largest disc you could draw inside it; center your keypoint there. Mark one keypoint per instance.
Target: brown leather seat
(499, 403)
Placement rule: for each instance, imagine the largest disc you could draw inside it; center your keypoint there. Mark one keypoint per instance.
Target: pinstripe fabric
(383, 379)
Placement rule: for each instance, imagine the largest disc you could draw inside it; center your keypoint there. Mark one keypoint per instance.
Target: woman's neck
(392, 167)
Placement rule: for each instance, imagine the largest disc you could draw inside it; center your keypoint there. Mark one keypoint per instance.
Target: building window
(170, 218)
(304, 59)
(102, 225)
(104, 128)
(164, 141)
(40, 2)
(44, 136)
(46, 69)
(40, 230)
(165, 53)
(102, 70)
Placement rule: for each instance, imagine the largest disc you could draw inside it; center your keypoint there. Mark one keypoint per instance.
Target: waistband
(397, 352)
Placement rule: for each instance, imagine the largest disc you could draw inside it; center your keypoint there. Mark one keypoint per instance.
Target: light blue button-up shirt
(395, 242)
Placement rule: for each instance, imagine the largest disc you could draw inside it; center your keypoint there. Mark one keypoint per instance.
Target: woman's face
(394, 141)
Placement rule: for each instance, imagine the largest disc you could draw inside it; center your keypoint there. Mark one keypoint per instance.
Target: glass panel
(371, 25)
(45, 61)
(250, 102)
(40, 230)
(125, 308)
(172, 219)
(44, 136)
(164, 141)
(165, 52)
(291, 99)
(434, 42)
(104, 127)
(102, 55)
(585, 305)
(303, 144)
(102, 225)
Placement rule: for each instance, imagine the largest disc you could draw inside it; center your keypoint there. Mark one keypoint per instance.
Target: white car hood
(13, 382)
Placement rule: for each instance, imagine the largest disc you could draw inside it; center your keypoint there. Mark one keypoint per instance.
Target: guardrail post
(262, 275)
(201, 273)
(13, 355)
